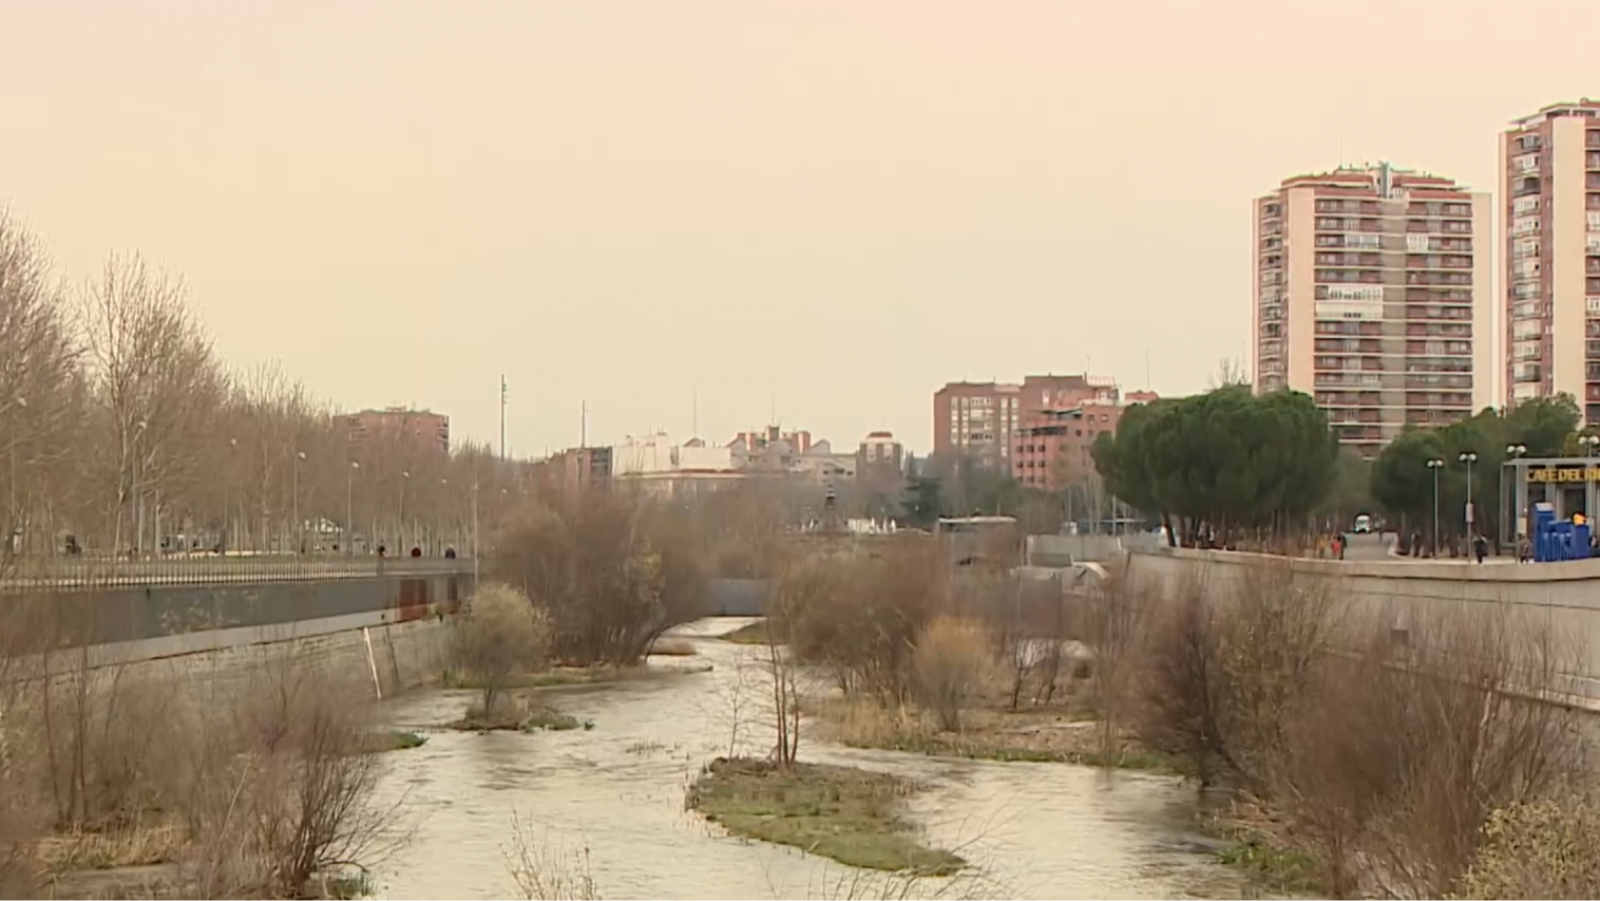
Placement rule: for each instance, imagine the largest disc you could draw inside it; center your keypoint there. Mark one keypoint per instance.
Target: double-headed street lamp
(20, 403)
(1513, 451)
(1435, 465)
(1469, 458)
(1589, 444)
(349, 509)
(294, 507)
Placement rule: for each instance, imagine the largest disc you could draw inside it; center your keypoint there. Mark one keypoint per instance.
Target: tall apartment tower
(1373, 296)
(1551, 232)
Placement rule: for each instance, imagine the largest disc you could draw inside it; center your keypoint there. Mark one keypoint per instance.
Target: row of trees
(1403, 481)
(120, 426)
(1215, 465)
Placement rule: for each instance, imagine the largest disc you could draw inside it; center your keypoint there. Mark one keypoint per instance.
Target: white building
(660, 465)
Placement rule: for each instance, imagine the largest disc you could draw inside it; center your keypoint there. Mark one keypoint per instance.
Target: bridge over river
(156, 608)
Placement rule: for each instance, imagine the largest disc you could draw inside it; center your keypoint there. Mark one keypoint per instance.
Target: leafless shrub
(502, 634)
(1394, 762)
(863, 629)
(952, 659)
(285, 794)
(1384, 758)
(1223, 672)
(549, 872)
(613, 570)
(1112, 627)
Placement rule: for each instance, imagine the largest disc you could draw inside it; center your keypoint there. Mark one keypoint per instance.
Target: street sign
(1469, 514)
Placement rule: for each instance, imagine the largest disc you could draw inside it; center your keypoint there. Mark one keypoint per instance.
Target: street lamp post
(349, 509)
(138, 490)
(1508, 535)
(1469, 458)
(294, 505)
(400, 519)
(228, 526)
(1591, 443)
(20, 403)
(474, 533)
(1435, 465)
(436, 539)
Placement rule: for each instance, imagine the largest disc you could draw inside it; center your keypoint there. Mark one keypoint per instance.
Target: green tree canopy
(1403, 485)
(1221, 461)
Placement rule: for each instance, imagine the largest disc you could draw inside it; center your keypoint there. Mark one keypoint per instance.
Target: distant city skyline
(842, 206)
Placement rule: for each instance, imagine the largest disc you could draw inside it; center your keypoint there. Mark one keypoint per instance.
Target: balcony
(1438, 381)
(1434, 417)
(1438, 348)
(1438, 399)
(1349, 259)
(1348, 276)
(1592, 137)
(1438, 278)
(1591, 160)
(1419, 330)
(1415, 312)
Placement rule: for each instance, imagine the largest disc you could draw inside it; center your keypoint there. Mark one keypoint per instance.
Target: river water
(614, 795)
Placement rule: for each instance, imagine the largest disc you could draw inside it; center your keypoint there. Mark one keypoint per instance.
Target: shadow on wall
(106, 616)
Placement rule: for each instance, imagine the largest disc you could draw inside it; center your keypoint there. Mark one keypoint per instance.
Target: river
(615, 795)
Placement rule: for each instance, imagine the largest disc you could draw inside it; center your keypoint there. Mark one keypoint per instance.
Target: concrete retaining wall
(125, 614)
(333, 652)
(1563, 597)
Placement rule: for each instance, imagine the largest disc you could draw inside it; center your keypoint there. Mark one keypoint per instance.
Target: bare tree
(41, 395)
(155, 375)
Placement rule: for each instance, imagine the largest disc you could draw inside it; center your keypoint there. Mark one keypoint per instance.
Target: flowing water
(613, 795)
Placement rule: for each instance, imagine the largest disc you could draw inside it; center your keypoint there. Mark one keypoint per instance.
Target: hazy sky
(839, 205)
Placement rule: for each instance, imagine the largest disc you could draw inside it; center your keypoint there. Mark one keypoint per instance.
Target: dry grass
(134, 845)
(1060, 734)
(951, 662)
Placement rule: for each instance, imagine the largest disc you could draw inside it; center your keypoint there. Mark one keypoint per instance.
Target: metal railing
(32, 574)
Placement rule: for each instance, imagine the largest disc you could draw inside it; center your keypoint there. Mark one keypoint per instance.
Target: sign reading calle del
(1565, 474)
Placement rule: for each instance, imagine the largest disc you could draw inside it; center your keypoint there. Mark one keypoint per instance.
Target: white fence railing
(33, 574)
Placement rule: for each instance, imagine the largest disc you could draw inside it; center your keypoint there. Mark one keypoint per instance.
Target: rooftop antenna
(583, 424)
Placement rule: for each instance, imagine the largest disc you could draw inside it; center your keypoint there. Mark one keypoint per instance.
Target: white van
(1363, 524)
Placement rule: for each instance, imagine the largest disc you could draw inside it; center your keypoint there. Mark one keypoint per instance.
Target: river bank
(614, 797)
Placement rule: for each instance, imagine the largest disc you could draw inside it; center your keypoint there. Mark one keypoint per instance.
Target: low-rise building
(657, 464)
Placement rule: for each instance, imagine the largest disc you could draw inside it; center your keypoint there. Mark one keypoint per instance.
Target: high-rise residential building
(980, 420)
(1550, 229)
(1054, 445)
(1373, 295)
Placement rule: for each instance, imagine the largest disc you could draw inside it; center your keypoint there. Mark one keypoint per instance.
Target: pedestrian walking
(1480, 548)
